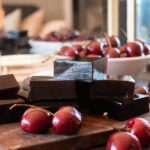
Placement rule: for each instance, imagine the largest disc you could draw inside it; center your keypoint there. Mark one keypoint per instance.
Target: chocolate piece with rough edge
(83, 69)
(8, 87)
(120, 109)
(45, 88)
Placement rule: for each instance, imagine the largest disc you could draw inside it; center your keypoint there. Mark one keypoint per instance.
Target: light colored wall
(54, 9)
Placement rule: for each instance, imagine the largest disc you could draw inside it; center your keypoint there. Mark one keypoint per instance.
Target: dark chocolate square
(111, 88)
(8, 87)
(121, 109)
(45, 88)
(14, 115)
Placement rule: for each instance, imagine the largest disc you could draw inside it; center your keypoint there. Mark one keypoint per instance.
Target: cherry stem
(47, 59)
(105, 115)
(125, 34)
(108, 40)
(32, 106)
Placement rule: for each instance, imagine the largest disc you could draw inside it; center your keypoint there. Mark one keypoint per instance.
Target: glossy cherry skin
(146, 49)
(141, 129)
(134, 49)
(67, 120)
(123, 141)
(114, 40)
(77, 48)
(63, 49)
(95, 47)
(141, 90)
(113, 53)
(35, 120)
(123, 49)
(70, 52)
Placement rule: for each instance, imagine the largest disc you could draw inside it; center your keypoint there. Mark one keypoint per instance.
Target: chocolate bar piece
(121, 109)
(122, 87)
(45, 88)
(14, 115)
(8, 87)
(84, 69)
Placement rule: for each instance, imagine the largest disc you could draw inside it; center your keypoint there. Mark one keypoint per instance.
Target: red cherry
(35, 120)
(141, 129)
(82, 53)
(123, 141)
(66, 120)
(115, 42)
(113, 53)
(95, 47)
(123, 55)
(134, 49)
(63, 49)
(141, 90)
(146, 49)
(93, 55)
(123, 49)
(70, 52)
(77, 48)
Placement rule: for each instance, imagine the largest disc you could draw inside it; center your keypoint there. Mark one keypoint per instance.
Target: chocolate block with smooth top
(83, 69)
(121, 109)
(8, 87)
(121, 87)
(45, 88)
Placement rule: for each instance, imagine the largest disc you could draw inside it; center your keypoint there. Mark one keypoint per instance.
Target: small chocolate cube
(83, 69)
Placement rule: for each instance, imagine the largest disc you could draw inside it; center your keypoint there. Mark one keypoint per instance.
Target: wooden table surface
(12, 137)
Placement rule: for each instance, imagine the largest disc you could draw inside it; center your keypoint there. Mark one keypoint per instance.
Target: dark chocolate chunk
(111, 88)
(8, 87)
(84, 69)
(45, 88)
(14, 115)
(121, 109)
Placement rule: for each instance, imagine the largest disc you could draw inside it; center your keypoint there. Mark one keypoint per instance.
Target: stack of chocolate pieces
(62, 90)
(82, 82)
(8, 96)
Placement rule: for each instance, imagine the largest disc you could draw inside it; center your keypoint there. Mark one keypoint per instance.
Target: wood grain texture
(94, 131)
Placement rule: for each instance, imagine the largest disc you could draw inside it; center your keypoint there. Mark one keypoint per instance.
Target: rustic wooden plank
(94, 131)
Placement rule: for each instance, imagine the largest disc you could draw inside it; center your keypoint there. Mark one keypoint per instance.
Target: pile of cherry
(67, 120)
(137, 134)
(69, 35)
(109, 48)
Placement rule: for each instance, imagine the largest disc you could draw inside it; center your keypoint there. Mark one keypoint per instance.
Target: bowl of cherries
(54, 41)
(129, 59)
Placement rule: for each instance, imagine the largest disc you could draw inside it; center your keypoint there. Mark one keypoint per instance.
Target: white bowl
(127, 66)
(48, 48)
(123, 66)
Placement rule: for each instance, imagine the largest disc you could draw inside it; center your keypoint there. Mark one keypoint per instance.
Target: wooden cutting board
(94, 131)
